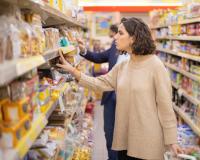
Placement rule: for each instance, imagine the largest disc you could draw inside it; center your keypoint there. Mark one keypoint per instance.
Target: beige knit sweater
(145, 121)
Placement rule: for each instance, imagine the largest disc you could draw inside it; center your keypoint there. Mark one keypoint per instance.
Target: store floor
(99, 150)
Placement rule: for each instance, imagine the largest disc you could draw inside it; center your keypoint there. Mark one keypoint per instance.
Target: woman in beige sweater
(145, 121)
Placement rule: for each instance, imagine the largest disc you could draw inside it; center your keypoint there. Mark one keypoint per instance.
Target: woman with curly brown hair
(145, 122)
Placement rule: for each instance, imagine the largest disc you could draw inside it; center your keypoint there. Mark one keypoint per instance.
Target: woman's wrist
(76, 73)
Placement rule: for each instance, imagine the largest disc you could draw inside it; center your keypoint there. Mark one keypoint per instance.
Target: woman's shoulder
(157, 62)
(158, 66)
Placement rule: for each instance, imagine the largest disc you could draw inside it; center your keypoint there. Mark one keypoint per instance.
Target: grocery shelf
(51, 54)
(27, 141)
(175, 85)
(189, 97)
(180, 54)
(187, 119)
(190, 20)
(15, 68)
(53, 103)
(51, 107)
(83, 107)
(158, 27)
(9, 70)
(37, 126)
(185, 73)
(184, 21)
(184, 38)
(51, 16)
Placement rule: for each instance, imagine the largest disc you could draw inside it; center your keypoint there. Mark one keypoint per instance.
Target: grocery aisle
(45, 113)
(99, 149)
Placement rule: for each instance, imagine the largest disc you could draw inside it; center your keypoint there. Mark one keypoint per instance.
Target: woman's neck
(139, 58)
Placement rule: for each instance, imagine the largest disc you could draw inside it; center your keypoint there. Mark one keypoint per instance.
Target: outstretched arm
(106, 82)
(101, 57)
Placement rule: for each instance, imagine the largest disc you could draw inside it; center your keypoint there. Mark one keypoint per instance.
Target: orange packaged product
(11, 133)
(14, 111)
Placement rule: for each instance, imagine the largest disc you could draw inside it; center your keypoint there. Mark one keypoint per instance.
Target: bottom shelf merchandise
(68, 133)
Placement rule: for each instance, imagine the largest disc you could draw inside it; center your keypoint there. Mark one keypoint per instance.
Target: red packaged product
(191, 29)
(198, 29)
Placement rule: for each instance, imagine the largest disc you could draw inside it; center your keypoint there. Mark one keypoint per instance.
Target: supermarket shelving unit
(185, 73)
(12, 69)
(37, 126)
(187, 119)
(192, 76)
(186, 95)
(50, 15)
(180, 54)
(183, 38)
(184, 21)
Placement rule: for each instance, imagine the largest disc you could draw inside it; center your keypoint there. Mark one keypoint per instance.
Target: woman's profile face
(123, 40)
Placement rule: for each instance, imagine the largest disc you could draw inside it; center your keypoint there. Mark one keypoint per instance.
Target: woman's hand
(68, 67)
(81, 45)
(64, 64)
(176, 149)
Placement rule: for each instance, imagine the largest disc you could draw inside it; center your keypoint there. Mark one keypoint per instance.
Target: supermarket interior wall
(143, 15)
(96, 32)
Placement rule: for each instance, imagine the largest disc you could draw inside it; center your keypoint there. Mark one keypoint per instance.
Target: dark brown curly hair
(143, 41)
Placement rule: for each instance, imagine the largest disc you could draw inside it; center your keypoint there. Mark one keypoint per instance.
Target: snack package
(2, 39)
(25, 37)
(52, 38)
(13, 42)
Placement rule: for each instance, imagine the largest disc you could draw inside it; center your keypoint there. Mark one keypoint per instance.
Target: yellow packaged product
(54, 3)
(60, 5)
(11, 133)
(14, 111)
(44, 94)
(55, 94)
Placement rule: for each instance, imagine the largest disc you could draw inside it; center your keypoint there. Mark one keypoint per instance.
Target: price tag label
(61, 104)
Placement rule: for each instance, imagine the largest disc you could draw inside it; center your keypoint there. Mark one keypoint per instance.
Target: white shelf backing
(184, 38)
(187, 119)
(180, 54)
(185, 73)
(50, 15)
